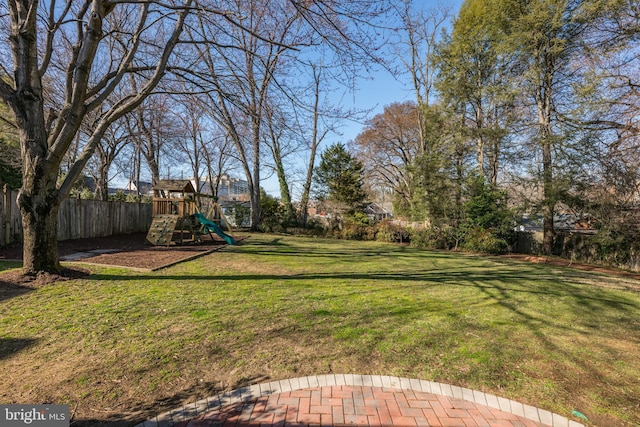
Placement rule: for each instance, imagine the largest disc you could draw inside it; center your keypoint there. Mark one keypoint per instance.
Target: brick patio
(357, 400)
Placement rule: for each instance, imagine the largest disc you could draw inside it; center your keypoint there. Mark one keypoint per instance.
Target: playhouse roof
(175, 186)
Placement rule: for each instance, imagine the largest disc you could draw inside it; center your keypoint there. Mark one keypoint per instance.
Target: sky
(373, 92)
(381, 89)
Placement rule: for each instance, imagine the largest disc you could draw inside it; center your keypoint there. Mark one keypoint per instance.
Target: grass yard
(120, 346)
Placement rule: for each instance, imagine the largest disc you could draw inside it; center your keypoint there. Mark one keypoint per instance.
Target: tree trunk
(154, 169)
(494, 162)
(495, 142)
(38, 198)
(543, 100)
(315, 139)
(549, 199)
(255, 189)
(275, 146)
(479, 119)
(281, 174)
(39, 204)
(254, 198)
(102, 184)
(285, 194)
(304, 199)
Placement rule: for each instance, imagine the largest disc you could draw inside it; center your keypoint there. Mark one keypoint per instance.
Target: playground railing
(175, 206)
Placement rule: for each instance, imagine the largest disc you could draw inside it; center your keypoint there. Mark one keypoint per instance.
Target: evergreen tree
(475, 78)
(486, 207)
(340, 178)
(488, 226)
(436, 175)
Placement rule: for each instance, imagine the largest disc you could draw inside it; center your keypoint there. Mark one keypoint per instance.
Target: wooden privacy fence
(416, 225)
(80, 219)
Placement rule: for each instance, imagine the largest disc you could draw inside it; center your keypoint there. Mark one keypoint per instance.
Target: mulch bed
(129, 250)
(561, 262)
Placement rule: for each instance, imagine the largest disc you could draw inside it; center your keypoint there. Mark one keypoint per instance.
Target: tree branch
(126, 104)
(123, 68)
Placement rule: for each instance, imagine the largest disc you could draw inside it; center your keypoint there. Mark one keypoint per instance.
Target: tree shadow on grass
(503, 283)
(149, 411)
(338, 249)
(523, 293)
(11, 346)
(528, 296)
(10, 290)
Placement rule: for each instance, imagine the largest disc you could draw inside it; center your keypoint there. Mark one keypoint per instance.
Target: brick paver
(350, 400)
(337, 408)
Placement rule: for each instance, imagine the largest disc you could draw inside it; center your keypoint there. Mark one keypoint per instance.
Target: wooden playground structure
(177, 219)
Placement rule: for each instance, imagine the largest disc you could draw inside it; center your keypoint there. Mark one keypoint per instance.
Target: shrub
(432, 238)
(486, 241)
(240, 214)
(607, 247)
(118, 196)
(358, 226)
(387, 231)
(314, 228)
(272, 213)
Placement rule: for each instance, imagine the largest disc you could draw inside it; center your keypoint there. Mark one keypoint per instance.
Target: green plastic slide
(212, 226)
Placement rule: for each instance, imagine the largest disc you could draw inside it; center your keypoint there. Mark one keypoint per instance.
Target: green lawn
(124, 345)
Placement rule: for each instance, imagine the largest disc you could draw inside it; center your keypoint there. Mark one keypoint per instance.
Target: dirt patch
(129, 250)
(42, 279)
(14, 283)
(620, 279)
(561, 262)
(138, 255)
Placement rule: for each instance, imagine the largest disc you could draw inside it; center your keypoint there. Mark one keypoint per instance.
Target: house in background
(142, 188)
(567, 222)
(234, 210)
(376, 212)
(88, 183)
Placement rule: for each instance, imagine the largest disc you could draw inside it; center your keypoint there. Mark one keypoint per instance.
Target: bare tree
(202, 143)
(240, 78)
(387, 147)
(416, 50)
(190, 140)
(82, 51)
(245, 68)
(217, 150)
(114, 140)
(297, 128)
(155, 129)
(321, 126)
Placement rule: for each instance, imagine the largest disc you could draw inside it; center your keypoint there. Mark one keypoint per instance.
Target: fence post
(6, 213)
